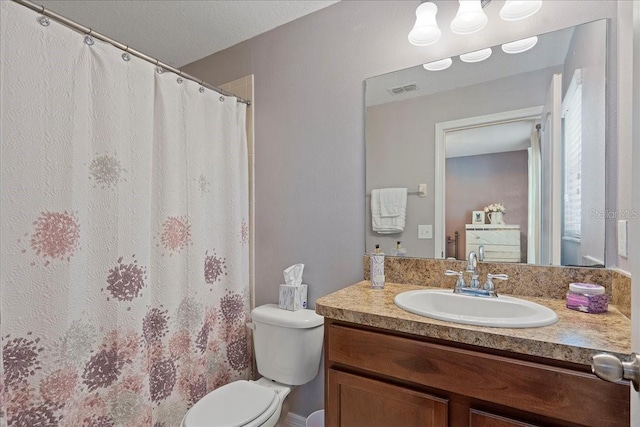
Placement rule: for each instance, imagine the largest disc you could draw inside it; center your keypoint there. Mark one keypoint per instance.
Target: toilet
(288, 347)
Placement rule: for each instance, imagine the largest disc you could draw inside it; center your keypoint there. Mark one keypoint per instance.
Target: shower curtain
(124, 242)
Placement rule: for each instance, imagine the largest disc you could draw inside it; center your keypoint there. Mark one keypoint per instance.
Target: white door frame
(634, 224)
(441, 130)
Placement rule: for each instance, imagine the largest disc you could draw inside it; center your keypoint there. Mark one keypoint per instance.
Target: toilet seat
(240, 403)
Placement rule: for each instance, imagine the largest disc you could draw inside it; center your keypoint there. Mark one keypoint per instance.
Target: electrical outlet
(622, 238)
(425, 231)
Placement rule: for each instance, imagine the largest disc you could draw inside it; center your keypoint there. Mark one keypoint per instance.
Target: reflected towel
(388, 210)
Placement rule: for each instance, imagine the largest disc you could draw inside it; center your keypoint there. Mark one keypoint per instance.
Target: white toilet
(288, 347)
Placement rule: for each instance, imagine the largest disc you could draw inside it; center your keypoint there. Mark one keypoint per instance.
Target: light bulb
(470, 17)
(514, 10)
(477, 56)
(425, 31)
(440, 65)
(520, 46)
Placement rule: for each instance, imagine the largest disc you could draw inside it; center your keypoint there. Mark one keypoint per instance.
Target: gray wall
(309, 164)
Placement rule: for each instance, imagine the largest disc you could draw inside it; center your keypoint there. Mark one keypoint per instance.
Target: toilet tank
(287, 344)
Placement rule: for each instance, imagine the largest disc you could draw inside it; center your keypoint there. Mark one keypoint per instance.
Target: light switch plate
(622, 238)
(422, 190)
(425, 231)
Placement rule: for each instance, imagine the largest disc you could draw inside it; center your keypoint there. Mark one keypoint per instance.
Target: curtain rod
(88, 31)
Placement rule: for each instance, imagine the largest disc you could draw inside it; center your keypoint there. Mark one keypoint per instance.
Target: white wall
(309, 106)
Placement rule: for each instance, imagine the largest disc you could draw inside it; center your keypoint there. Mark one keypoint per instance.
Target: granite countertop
(574, 338)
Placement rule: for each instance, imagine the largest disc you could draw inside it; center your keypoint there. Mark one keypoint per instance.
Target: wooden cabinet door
(356, 401)
(484, 419)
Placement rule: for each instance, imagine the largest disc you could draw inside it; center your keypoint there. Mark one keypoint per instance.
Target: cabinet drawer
(497, 253)
(484, 419)
(527, 386)
(493, 237)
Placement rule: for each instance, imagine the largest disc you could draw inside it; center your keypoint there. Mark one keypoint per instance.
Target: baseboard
(294, 420)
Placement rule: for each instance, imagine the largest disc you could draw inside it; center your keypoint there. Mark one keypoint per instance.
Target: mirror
(525, 130)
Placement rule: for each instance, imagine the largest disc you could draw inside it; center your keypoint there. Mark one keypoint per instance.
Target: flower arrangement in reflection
(495, 207)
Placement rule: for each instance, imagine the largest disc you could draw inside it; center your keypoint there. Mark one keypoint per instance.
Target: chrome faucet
(474, 288)
(472, 267)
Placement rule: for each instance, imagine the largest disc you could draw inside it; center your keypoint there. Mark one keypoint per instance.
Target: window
(572, 139)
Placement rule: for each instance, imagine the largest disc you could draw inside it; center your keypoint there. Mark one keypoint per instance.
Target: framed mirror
(519, 137)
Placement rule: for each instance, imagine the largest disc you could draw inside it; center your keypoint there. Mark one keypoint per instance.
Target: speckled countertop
(574, 338)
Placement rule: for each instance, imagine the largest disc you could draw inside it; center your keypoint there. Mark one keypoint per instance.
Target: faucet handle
(489, 286)
(460, 282)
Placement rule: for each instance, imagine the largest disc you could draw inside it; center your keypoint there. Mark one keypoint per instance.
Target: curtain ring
(88, 39)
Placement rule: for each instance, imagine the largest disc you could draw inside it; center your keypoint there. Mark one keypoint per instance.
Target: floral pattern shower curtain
(124, 277)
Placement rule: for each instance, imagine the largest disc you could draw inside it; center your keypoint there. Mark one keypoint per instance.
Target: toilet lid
(232, 405)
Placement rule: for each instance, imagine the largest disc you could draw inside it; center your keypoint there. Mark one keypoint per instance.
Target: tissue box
(293, 297)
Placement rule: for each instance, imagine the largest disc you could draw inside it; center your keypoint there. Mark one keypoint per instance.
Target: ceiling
(495, 138)
(179, 32)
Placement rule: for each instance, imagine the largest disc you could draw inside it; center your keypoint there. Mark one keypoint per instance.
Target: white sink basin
(500, 312)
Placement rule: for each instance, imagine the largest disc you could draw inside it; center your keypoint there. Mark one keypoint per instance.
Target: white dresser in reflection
(501, 242)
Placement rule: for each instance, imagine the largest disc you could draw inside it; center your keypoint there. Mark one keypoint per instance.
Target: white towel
(388, 210)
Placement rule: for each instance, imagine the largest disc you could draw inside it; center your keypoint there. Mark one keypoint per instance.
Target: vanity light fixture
(477, 56)
(440, 65)
(470, 17)
(514, 10)
(520, 46)
(425, 31)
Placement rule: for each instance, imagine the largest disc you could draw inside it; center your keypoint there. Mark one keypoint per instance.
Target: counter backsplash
(524, 279)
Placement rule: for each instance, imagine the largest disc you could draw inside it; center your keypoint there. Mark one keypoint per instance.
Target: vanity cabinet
(376, 377)
(501, 242)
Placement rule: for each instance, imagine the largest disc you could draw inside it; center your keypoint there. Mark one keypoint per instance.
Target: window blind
(572, 139)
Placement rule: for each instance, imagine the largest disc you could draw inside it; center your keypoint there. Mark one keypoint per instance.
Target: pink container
(588, 298)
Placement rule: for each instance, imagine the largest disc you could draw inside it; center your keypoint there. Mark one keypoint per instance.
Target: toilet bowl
(288, 347)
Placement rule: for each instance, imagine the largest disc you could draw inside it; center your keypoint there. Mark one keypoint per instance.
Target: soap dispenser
(399, 250)
(376, 269)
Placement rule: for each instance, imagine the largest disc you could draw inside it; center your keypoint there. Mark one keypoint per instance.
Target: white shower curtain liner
(124, 287)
